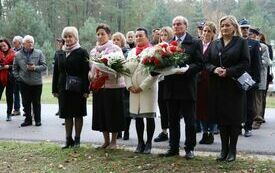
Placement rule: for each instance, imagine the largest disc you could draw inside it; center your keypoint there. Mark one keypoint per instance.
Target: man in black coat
(254, 71)
(180, 91)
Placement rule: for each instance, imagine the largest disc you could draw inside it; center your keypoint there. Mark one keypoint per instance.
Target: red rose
(173, 49)
(164, 45)
(174, 43)
(104, 60)
(163, 54)
(145, 61)
(156, 62)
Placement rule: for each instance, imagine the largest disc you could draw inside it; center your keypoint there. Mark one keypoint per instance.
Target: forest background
(45, 19)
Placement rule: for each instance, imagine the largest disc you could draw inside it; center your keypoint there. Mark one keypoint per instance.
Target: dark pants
(207, 127)
(176, 109)
(9, 95)
(31, 96)
(229, 137)
(250, 109)
(163, 113)
(16, 95)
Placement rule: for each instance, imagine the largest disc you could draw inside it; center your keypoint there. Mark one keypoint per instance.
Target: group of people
(21, 69)
(202, 89)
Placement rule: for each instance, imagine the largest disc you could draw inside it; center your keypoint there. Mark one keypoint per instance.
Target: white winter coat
(143, 104)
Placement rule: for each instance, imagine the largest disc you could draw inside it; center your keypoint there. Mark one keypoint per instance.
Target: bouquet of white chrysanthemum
(112, 63)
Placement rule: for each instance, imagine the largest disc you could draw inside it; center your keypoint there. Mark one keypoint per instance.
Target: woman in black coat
(73, 61)
(228, 59)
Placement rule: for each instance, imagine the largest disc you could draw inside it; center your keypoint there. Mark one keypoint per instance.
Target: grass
(48, 157)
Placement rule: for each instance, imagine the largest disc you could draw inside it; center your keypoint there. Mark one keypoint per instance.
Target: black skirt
(72, 105)
(108, 110)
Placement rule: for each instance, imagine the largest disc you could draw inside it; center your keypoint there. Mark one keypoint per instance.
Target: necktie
(179, 41)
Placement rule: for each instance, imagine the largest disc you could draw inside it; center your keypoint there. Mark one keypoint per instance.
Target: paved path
(262, 141)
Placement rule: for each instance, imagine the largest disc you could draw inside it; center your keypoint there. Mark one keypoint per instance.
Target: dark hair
(6, 41)
(105, 27)
(143, 29)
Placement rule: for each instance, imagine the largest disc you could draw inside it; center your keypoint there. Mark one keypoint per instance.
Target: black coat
(255, 59)
(184, 86)
(226, 99)
(71, 104)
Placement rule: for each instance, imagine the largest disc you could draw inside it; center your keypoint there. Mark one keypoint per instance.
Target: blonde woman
(228, 58)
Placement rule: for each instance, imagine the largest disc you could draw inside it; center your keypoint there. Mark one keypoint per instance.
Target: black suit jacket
(184, 86)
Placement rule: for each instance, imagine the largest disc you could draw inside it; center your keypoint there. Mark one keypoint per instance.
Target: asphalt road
(262, 141)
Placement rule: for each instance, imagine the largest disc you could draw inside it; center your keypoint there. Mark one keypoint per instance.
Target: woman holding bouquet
(228, 59)
(108, 108)
(143, 92)
(73, 61)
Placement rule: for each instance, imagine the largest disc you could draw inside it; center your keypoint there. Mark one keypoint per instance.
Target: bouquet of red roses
(163, 56)
(112, 63)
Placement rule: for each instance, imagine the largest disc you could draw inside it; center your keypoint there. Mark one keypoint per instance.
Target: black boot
(234, 134)
(210, 138)
(148, 148)
(69, 143)
(76, 142)
(119, 135)
(126, 135)
(231, 156)
(224, 133)
(140, 148)
(204, 138)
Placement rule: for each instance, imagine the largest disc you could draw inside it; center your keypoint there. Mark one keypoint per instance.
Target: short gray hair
(181, 18)
(17, 38)
(122, 38)
(28, 38)
(72, 30)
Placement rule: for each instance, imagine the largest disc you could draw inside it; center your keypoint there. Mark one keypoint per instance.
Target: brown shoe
(15, 113)
(256, 125)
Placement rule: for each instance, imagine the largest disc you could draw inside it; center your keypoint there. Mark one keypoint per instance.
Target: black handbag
(73, 83)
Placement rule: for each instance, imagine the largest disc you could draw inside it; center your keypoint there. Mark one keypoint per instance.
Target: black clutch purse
(245, 81)
(73, 83)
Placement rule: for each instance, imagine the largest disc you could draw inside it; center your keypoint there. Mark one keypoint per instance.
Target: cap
(244, 23)
(200, 24)
(254, 31)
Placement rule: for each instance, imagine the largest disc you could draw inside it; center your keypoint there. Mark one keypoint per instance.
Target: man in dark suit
(180, 91)
(254, 71)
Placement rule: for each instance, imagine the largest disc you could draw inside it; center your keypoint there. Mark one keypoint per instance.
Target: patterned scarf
(69, 49)
(139, 49)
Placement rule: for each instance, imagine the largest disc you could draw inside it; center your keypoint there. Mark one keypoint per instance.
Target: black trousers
(163, 113)
(9, 95)
(177, 109)
(250, 109)
(31, 96)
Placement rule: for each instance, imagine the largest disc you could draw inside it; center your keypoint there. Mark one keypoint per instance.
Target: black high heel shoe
(69, 143)
(140, 148)
(76, 142)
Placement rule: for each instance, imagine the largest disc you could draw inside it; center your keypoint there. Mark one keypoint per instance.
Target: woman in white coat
(143, 92)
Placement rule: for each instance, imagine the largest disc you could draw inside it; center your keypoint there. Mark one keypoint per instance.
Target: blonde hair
(168, 30)
(72, 30)
(122, 38)
(212, 27)
(234, 22)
